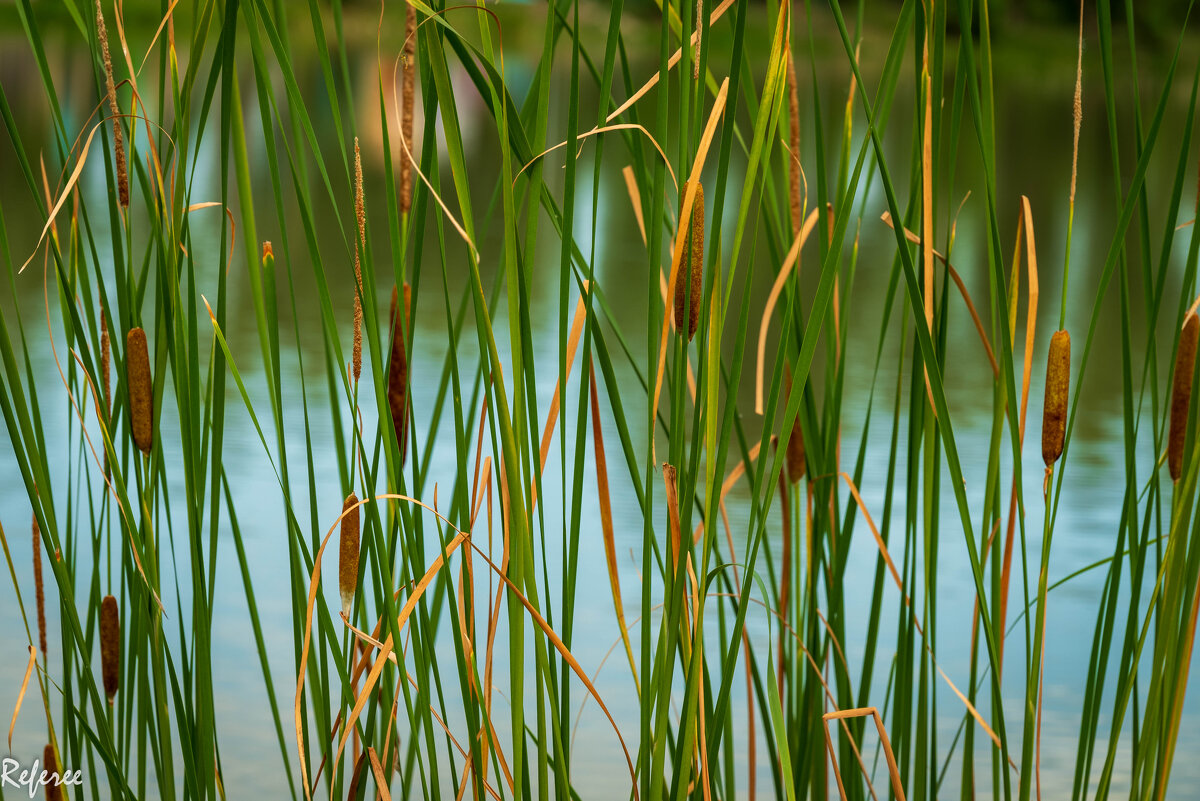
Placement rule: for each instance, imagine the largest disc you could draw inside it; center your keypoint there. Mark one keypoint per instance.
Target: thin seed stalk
(110, 89)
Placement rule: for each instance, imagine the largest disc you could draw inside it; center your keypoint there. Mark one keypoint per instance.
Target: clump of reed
(1181, 393)
(397, 375)
(110, 646)
(348, 553)
(689, 282)
(1058, 385)
(111, 92)
(141, 389)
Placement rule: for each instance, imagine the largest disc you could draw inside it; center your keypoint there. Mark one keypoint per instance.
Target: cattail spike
(671, 480)
(110, 89)
(398, 372)
(796, 461)
(360, 216)
(38, 586)
(408, 91)
(53, 779)
(1181, 393)
(348, 556)
(141, 389)
(1058, 385)
(110, 646)
(689, 281)
(105, 363)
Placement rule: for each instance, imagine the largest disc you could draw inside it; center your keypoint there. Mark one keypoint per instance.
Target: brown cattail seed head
(1058, 385)
(689, 281)
(796, 464)
(111, 91)
(1181, 393)
(105, 363)
(671, 480)
(39, 588)
(141, 389)
(348, 556)
(360, 216)
(398, 373)
(408, 91)
(110, 645)
(50, 766)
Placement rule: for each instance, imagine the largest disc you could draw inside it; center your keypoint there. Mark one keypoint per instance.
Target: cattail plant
(50, 766)
(397, 378)
(141, 389)
(689, 282)
(796, 464)
(1181, 393)
(38, 586)
(360, 216)
(1058, 384)
(348, 554)
(408, 91)
(110, 646)
(110, 89)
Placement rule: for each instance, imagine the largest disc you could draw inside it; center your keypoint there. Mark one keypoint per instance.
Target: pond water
(1034, 97)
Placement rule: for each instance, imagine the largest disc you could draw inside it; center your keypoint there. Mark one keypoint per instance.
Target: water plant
(630, 212)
